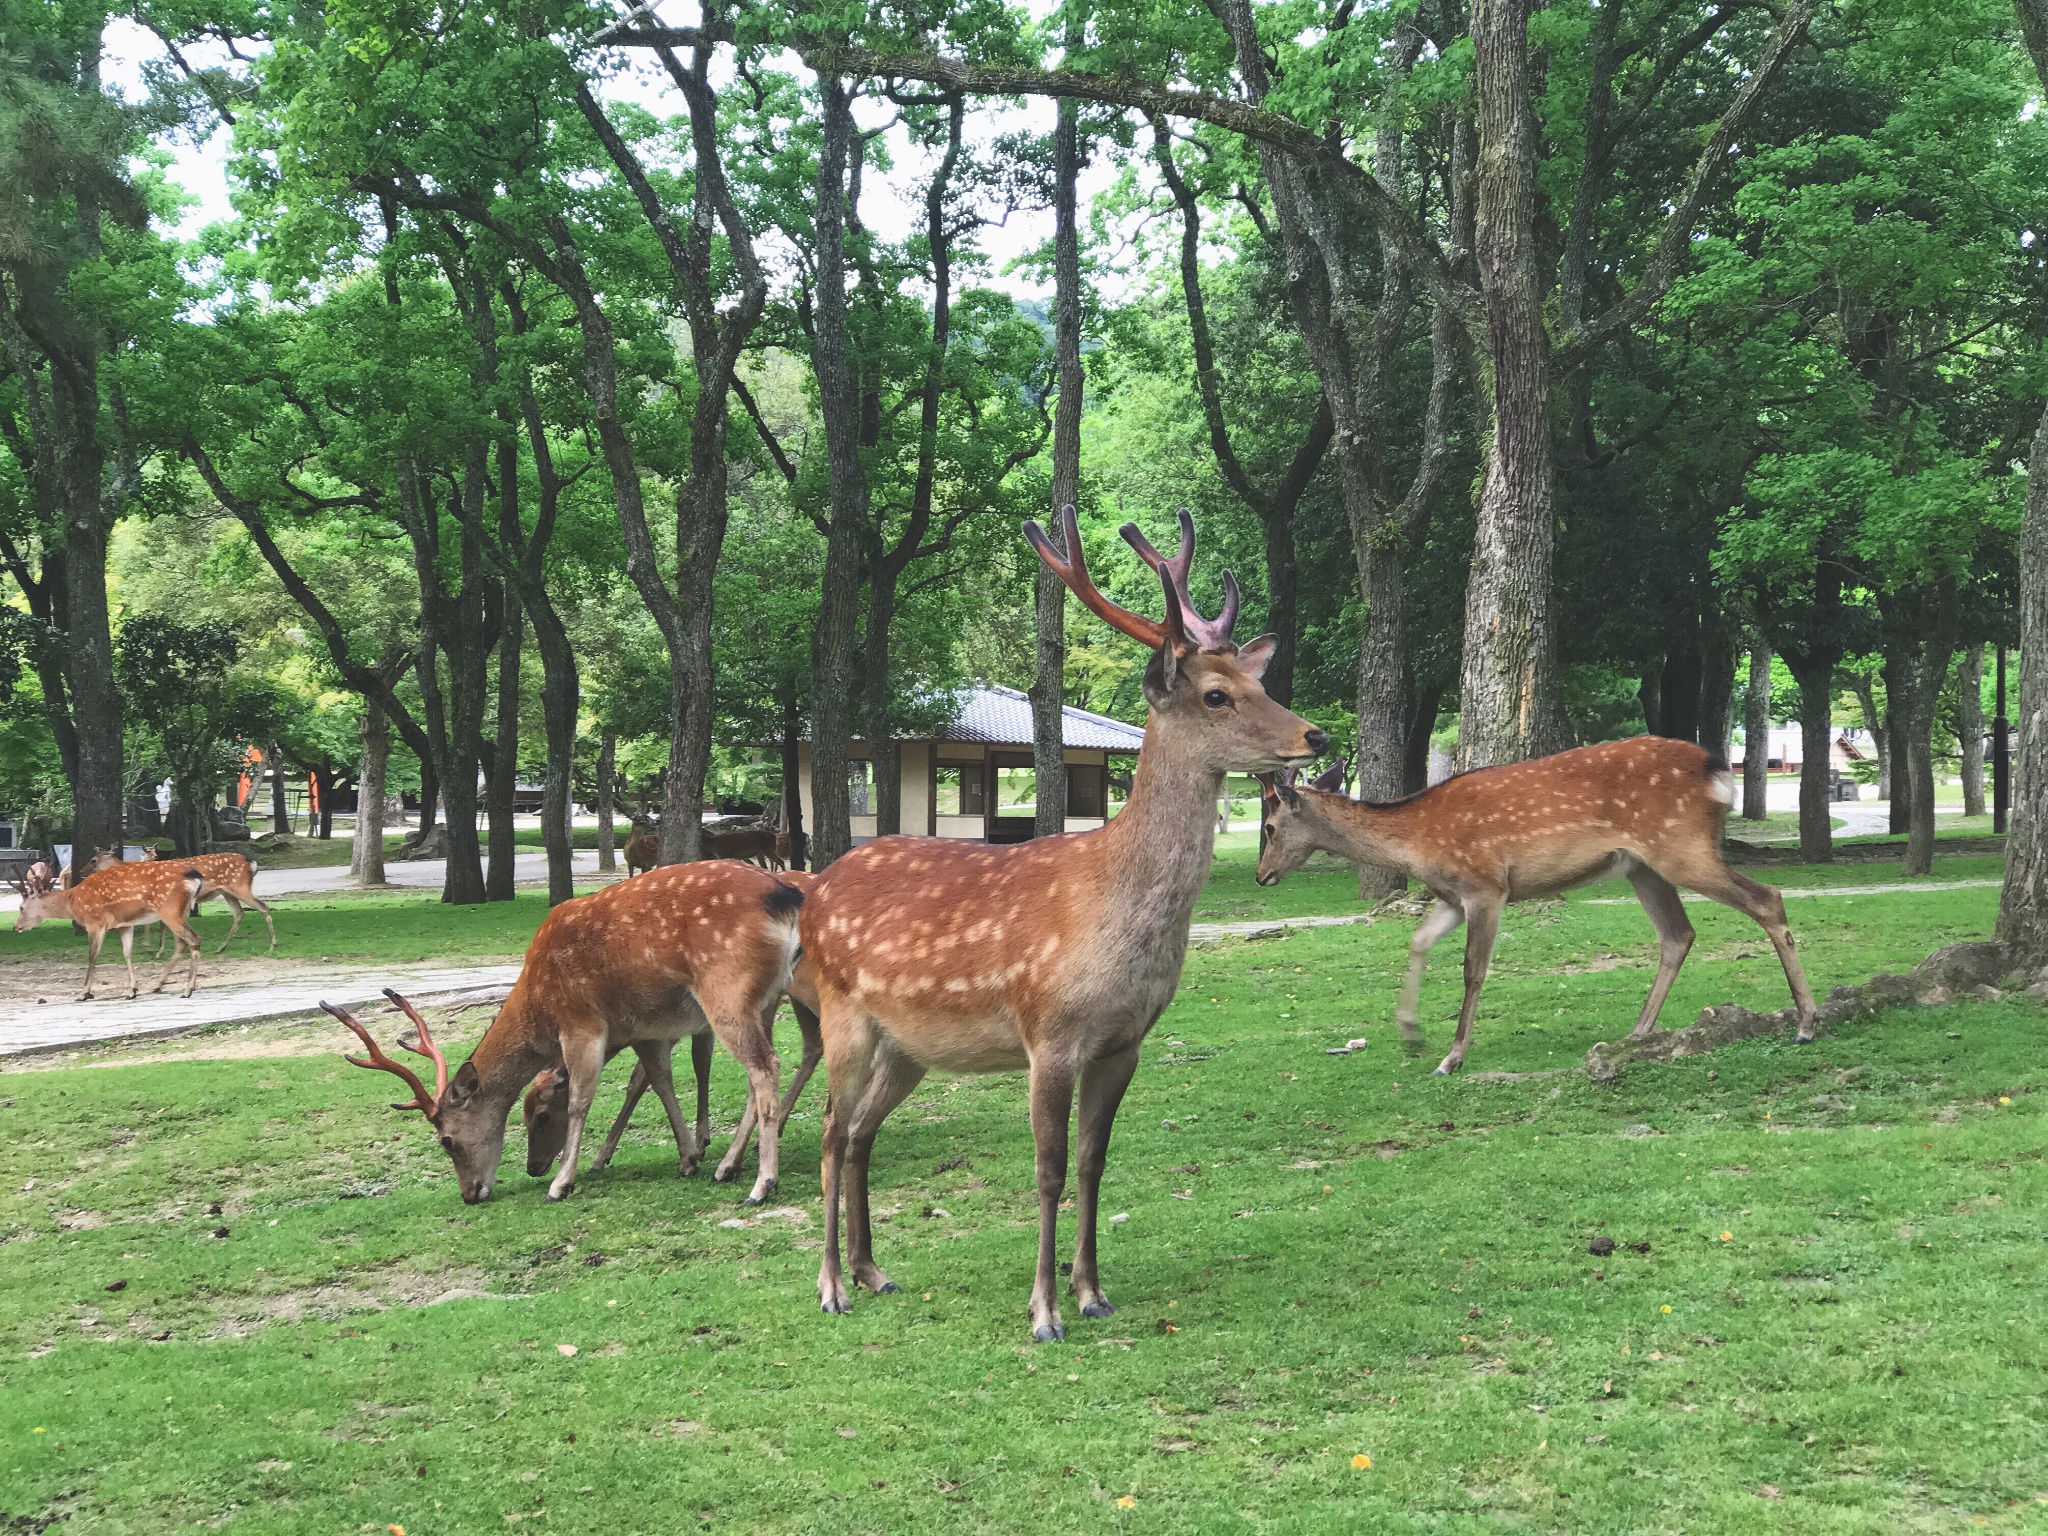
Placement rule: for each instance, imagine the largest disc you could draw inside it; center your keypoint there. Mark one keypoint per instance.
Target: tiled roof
(1001, 717)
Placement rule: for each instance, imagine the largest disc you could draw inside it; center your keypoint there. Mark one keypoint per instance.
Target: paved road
(50, 1026)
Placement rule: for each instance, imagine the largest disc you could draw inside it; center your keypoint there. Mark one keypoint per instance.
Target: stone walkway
(28, 1027)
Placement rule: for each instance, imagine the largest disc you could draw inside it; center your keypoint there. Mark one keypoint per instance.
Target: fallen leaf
(565, 1349)
(1361, 1462)
(1126, 1502)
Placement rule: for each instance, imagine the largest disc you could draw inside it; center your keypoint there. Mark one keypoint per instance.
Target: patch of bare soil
(47, 979)
(378, 1291)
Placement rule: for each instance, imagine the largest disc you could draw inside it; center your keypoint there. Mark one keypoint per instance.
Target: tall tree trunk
(1756, 733)
(367, 864)
(832, 644)
(320, 785)
(503, 779)
(1048, 687)
(1899, 685)
(560, 699)
(2023, 905)
(1815, 676)
(430, 800)
(280, 811)
(1678, 690)
(1510, 704)
(607, 771)
(1650, 696)
(885, 757)
(1970, 720)
(1717, 692)
(1421, 726)
(97, 802)
(1873, 725)
(792, 782)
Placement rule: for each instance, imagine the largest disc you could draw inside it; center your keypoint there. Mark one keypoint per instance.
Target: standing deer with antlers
(127, 897)
(230, 876)
(1055, 955)
(644, 963)
(1650, 810)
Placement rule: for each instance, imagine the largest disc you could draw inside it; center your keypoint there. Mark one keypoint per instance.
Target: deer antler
(426, 1046)
(421, 1100)
(1207, 634)
(1072, 568)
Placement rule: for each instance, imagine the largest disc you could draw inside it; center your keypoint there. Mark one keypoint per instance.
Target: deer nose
(1318, 742)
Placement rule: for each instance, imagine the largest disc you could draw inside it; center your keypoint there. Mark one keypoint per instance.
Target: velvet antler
(426, 1046)
(1072, 568)
(1206, 634)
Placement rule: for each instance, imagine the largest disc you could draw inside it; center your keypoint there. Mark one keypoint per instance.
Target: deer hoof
(723, 1174)
(1097, 1309)
(835, 1306)
(1048, 1333)
(556, 1195)
(888, 1288)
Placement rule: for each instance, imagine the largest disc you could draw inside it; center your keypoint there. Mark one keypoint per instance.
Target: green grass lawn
(1326, 1258)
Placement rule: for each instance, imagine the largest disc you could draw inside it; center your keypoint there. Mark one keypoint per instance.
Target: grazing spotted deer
(1650, 810)
(230, 876)
(1055, 955)
(125, 897)
(643, 963)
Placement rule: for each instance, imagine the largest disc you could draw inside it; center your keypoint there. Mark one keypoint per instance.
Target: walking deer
(1650, 810)
(1057, 955)
(126, 897)
(644, 963)
(230, 876)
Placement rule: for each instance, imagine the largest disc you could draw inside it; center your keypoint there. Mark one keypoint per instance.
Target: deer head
(40, 907)
(1286, 838)
(471, 1128)
(1208, 707)
(546, 1114)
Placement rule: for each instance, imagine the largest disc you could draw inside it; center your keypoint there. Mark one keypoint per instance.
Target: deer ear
(1330, 779)
(465, 1083)
(1268, 789)
(1254, 656)
(1160, 674)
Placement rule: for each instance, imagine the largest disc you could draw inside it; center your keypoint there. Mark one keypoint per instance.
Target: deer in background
(125, 898)
(546, 1111)
(752, 845)
(230, 876)
(642, 963)
(642, 851)
(1055, 955)
(1649, 810)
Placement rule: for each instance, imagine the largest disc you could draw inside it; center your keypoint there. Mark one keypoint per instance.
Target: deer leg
(1052, 1103)
(1482, 919)
(235, 926)
(636, 1085)
(657, 1061)
(1674, 940)
(585, 1060)
(128, 958)
(701, 1047)
(894, 1078)
(753, 1046)
(263, 907)
(1443, 917)
(850, 1064)
(1766, 907)
(1102, 1089)
(814, 1050)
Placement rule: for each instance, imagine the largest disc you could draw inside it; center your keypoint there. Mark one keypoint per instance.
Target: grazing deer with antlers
(1650, 810)
(1057, 954)
(125, 897)
(230, 876)
(643, 963)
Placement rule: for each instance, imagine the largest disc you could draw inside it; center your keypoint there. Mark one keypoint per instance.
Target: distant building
(951, 780)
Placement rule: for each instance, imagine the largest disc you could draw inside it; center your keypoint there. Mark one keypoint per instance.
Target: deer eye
(1216, 698)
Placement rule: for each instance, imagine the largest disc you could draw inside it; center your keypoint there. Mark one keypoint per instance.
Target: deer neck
(1358, 831)
(510, 1053)
(1160, 844)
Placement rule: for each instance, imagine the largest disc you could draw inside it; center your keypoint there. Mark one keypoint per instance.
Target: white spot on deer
(956, 985)
(1049, 948)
